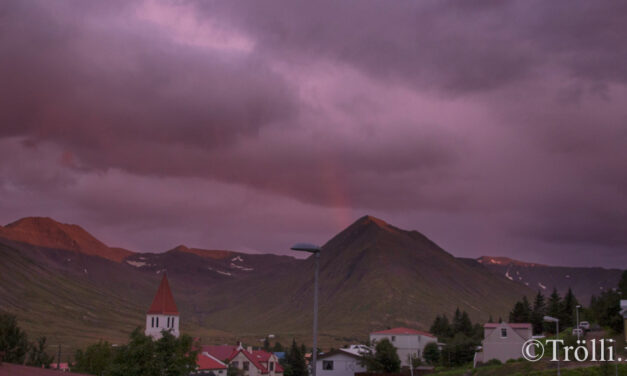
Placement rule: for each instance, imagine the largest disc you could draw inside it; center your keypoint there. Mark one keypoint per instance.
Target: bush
(493, 362)
(432, 353)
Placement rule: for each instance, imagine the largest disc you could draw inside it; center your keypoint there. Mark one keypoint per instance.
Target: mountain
(64, 283)
(584, 281)
(46, 232)
(375, 275)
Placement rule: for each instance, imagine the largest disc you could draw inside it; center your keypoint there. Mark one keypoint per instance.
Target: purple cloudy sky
(492, 127)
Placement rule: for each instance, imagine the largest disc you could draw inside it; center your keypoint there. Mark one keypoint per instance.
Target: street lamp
(557, 332)
(578, 328)
(311, 248)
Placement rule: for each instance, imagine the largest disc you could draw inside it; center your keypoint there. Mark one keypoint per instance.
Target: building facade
(163, 314)
(342, 362)
(409, 343)
(504, 341)
(250, 362)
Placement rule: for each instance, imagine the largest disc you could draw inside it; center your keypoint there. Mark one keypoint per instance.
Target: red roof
(253, 360)
(222, 353)
(264, 357)
(492, 325)
(404, 331)
(261, 355)
(208, 362)
(258, 358)
(164, 301)
(7, 369)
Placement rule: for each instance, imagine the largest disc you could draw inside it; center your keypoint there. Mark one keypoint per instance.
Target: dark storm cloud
(72, 74)
(454, 46)
(496, 127)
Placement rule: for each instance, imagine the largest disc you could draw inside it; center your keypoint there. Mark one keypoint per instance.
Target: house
(342, 362)
(623, 311)
(504, 341)
(209, 365)
(163, 314)
(409, 343)
(251, 362)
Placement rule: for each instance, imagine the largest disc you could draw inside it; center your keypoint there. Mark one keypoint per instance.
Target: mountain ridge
(46, 232)
(372, 275)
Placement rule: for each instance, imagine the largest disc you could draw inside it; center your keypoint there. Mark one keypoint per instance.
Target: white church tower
(163, 314)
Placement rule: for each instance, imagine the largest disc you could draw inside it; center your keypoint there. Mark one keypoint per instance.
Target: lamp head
(306, 247)
(551, 319)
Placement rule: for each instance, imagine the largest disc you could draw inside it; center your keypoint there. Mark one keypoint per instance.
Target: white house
(250, 362)
(163, 314)
(341, 362)
(409, 343)
(504, 341)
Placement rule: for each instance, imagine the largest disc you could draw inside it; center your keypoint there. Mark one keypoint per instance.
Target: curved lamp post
(311, 248)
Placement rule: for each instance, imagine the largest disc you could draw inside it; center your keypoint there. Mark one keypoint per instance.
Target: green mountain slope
(373, 275)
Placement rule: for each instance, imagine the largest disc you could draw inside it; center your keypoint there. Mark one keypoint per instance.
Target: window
(503, 332)
(157, 321)
(152, 323)
(271, 366)
(393, 338)
(236, 364)
(327, 365)
(246, 365)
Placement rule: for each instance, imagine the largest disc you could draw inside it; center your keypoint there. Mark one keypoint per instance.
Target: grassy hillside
(373, 275)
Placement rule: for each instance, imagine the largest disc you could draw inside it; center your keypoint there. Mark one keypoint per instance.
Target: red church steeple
(163, 304)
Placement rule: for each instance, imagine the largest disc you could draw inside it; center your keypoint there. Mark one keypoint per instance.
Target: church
(163, 314)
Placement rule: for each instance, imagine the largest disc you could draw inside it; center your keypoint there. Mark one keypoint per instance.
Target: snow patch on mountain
(137, 264)
(240, 267)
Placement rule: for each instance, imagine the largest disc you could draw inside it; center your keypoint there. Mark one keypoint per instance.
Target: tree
(538, 313)
(295, 364)
(13, 341)
(168, 356)
(37, 355)
(605, 310)
(459, 350)
(622, 284)
(441, 327)
(278, 347)
(266, 344)
(94, 360)
(384, 360)
(431, 353)
(521, 312)
(569, 305)
(462, 324)
(554, 309)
